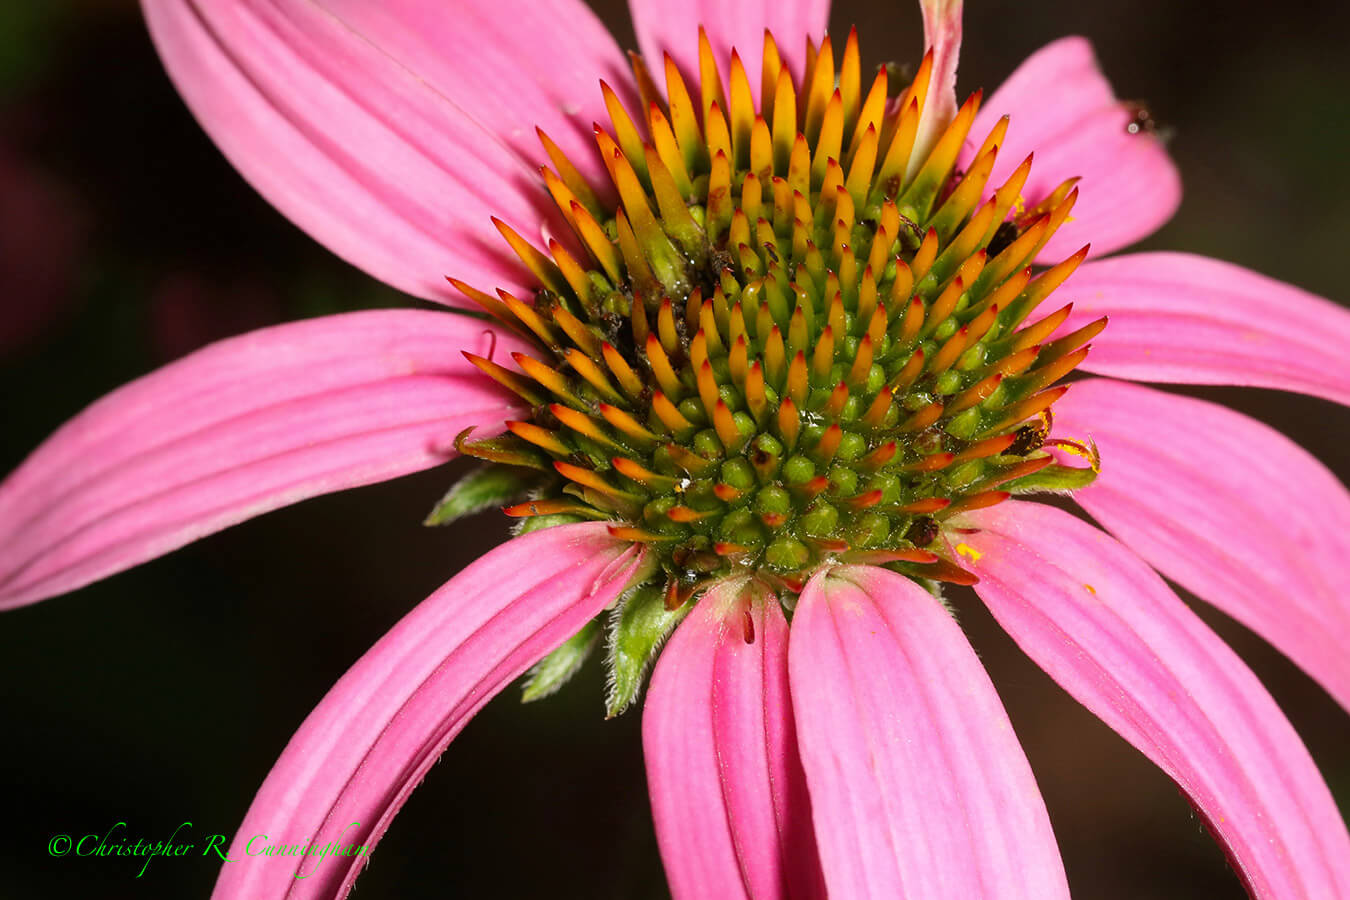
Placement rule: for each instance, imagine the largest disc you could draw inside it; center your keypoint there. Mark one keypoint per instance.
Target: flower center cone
(797, 334)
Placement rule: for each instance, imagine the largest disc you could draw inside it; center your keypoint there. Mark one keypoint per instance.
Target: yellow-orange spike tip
(532, 508)
(639, 535)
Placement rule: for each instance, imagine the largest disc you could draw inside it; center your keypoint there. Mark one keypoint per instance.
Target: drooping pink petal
(1177, 317)
(1228, 508)
(373, 738)
(369, 158)
(1106, 627)
(671, 26)
(942, 35)
(918, 785)
(511, 65)
(238, 428)
(1062, 108)
(728, 792)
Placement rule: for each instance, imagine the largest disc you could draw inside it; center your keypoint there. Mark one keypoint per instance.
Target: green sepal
(539, 523)
(554, 670)
(487, 486)
(1054, 478)
(504, 448)
(638, 626)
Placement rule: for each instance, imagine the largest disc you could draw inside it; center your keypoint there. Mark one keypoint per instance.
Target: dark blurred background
(164, 694)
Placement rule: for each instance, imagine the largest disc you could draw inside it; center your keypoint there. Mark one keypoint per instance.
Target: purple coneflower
(765, 372)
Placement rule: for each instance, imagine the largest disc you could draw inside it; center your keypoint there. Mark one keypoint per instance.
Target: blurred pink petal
(358, 150)
(1176, 317)
(728, 793)
(1063, 108)
(942, 35)
(373, 738)
(918, 785)
(671, 26)
(1229, 509)
(1106, 627)
(510, 65)
(237, 429)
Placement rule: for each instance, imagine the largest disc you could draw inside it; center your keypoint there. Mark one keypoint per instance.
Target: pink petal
(671, 26)
(239, 428)
(1228, 508)
(728, 793)
(1107, 628)
(510, 65)
(1062, 108)
(918, 785)
(373, 738)
(942, 35)
(361, 152)
(1176, 317)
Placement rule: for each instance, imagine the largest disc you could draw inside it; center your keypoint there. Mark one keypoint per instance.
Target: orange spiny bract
(795, 337)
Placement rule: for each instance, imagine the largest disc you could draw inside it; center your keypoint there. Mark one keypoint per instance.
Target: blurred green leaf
(483, 488)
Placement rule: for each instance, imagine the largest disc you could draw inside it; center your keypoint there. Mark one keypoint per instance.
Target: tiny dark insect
(911, 234)
(619, 334)
(922, 531)
(1005, 235)
(1027, 438)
